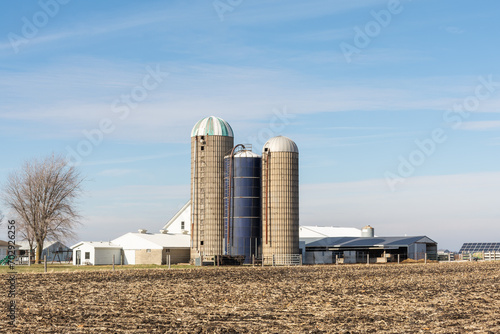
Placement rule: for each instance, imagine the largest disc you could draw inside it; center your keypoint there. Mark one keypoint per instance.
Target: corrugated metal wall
(242, 207)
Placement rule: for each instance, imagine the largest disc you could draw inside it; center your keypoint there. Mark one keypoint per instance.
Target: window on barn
(148, 250)
(87, 255)
(167, 250)
(182, 225)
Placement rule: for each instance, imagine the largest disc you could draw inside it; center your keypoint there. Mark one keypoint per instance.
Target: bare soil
(412, 298)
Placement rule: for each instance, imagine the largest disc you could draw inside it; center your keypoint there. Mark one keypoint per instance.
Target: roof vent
(143, 231)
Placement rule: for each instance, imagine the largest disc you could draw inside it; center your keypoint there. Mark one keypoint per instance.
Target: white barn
(149, 248)
(181, 221)
(96, 253)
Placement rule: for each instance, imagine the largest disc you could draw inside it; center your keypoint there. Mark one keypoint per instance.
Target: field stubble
(416, 298)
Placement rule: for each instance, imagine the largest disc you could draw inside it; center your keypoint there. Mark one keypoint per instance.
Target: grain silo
(211, 140)
(242, 205)
(280, 201)
(367, 232)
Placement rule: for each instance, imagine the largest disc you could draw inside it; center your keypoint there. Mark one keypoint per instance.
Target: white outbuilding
(96, 253)
(149, 248)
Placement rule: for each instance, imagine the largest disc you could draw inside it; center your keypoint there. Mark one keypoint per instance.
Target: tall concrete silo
(280, 200)
(211, 140)
(242, 205)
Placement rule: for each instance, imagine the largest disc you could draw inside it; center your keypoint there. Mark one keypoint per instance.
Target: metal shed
(375, 250)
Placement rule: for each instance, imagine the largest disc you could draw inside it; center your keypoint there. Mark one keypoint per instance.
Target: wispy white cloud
(336, 141)
(480, 125)
(323, 36)
(265, 12)
(116, 172)
(112, 23)
(67, 106)
(126, 160)
(454, 30)
(358, 128)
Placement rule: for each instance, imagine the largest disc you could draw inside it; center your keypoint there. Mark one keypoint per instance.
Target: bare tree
(42, 195)
(25, 231)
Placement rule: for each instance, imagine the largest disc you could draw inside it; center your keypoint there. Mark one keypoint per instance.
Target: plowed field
(415, 298)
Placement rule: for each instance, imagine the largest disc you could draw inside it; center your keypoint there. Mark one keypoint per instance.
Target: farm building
(148, 248)
(141, 248)
(96, 253)
(54, 250)
(181, 221)
(134, 248)
(4, 249)
(376, 249)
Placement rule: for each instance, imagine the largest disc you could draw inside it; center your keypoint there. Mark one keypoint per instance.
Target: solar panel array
(475, 247)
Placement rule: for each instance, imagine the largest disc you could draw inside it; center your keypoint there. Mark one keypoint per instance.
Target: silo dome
(280, 144)
(212, 126)
(246, 154)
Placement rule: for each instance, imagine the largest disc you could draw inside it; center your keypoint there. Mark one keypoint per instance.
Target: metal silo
(242, 205)
(280, 201)
(367, 232)
(211, 140)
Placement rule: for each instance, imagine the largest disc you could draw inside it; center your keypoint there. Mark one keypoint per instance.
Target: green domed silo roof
(212, 126)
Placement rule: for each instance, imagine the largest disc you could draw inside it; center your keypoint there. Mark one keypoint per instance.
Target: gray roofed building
(373, 249)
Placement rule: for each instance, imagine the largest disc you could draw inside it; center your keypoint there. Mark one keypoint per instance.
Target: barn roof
(384, 242)
(152, 241)
(25, 244)
(6, 244)
(97, 244)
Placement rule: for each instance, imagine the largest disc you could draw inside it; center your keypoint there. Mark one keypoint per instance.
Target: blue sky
(394, 104)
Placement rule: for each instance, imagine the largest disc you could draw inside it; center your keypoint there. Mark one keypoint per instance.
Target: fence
(282, 260)
(491, 256)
